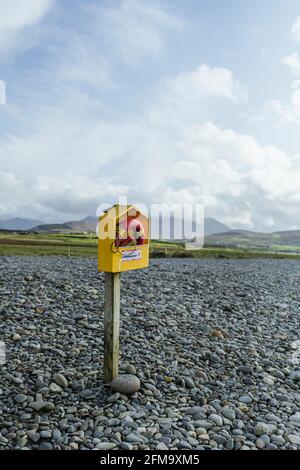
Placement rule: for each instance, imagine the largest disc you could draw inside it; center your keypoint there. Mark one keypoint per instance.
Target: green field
(280, 242)
(77, 245)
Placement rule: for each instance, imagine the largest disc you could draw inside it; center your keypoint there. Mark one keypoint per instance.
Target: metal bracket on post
(111, 326)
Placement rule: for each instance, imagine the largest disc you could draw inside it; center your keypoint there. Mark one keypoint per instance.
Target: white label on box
(131, 255)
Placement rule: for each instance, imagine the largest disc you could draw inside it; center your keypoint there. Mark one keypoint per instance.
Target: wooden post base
(111, 326)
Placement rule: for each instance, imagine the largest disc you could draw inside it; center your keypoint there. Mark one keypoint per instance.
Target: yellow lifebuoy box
(124, 237)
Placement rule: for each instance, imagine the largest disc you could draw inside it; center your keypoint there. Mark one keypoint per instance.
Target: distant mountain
(216, 233)
(18, 224)
(212, 226)
(90, 218)
(89, 224)
(160, 226)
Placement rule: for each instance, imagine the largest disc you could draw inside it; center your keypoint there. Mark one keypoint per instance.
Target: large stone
(46, 446)
(245, 399)
(16, 337)
(161, 446)
(189, 383)
(135, 438)
(60, 380)
(262, 428)
(33, 435)
(216, 419)
(295, 375)
(130, 369)
(295, 419)
(194, 411)
(228, 413)
(260, 443)
(126, 384)
(54, 388)
(106, 445)
(245, 369)
(42, 406)
(294, 439)
(113, 398)
(20, 398)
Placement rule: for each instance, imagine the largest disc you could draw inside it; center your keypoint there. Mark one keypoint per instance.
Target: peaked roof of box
(120, 210)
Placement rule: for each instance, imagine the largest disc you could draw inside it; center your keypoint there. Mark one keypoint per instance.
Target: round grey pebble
(130, 369)
(60, 380)
(245, 399)
(126, 384)
(20, 398)
(45, 446)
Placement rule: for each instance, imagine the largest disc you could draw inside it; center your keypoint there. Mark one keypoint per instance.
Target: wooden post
(111, 326)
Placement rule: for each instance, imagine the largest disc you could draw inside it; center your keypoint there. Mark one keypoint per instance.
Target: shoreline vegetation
(85, 245)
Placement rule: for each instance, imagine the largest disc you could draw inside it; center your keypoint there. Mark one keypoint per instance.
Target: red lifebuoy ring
(130, 231)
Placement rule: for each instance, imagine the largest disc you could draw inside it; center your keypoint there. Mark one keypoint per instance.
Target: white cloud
(16, 16)
(184, 98)
(239, 180)
(81, 63)
(79, 194)
(277, 112)
(292, 61)
(296, 29)
(205, 81)
(70, 156)
(137, 28)
(12, 192)
(80, 163)
(2, 92)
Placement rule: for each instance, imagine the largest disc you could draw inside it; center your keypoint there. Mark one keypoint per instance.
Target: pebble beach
(211, 345)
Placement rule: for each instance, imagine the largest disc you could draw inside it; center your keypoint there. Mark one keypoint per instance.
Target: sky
(164, 101)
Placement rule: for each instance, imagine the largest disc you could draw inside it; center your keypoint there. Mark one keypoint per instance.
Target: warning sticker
(131, 255)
